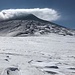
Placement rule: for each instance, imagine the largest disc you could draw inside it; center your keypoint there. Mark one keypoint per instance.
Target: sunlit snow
(43, 55)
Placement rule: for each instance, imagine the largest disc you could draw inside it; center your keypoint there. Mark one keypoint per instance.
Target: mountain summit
(31, 25)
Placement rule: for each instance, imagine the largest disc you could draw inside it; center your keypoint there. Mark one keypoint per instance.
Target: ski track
(42, 55)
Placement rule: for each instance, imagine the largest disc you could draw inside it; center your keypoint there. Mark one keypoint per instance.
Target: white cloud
(43, 13)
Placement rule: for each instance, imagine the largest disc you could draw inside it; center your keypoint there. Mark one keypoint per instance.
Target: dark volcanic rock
(51, 72)
(31, 25)
(72, 68)
(13, 69)
(55, 67)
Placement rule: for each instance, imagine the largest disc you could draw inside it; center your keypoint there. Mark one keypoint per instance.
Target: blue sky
(66, 8)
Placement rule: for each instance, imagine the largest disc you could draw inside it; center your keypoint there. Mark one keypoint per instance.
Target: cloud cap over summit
(42, 13)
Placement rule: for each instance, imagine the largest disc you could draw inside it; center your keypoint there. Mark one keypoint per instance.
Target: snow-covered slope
(43, 55)
(31, 25)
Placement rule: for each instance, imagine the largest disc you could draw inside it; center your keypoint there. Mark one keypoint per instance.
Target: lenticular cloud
(43, 13)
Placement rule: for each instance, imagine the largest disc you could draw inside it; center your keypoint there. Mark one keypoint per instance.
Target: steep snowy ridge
(31, 25)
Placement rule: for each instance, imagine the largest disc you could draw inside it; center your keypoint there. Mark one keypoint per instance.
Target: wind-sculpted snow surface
(43, 55)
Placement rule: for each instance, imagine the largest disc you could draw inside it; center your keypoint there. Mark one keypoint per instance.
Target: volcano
(30, 25)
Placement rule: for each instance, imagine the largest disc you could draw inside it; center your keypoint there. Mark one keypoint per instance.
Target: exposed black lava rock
(51, 72)
(71, 68)
(31, 25)
(6, 59)
(55, 67)
(13, 69)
